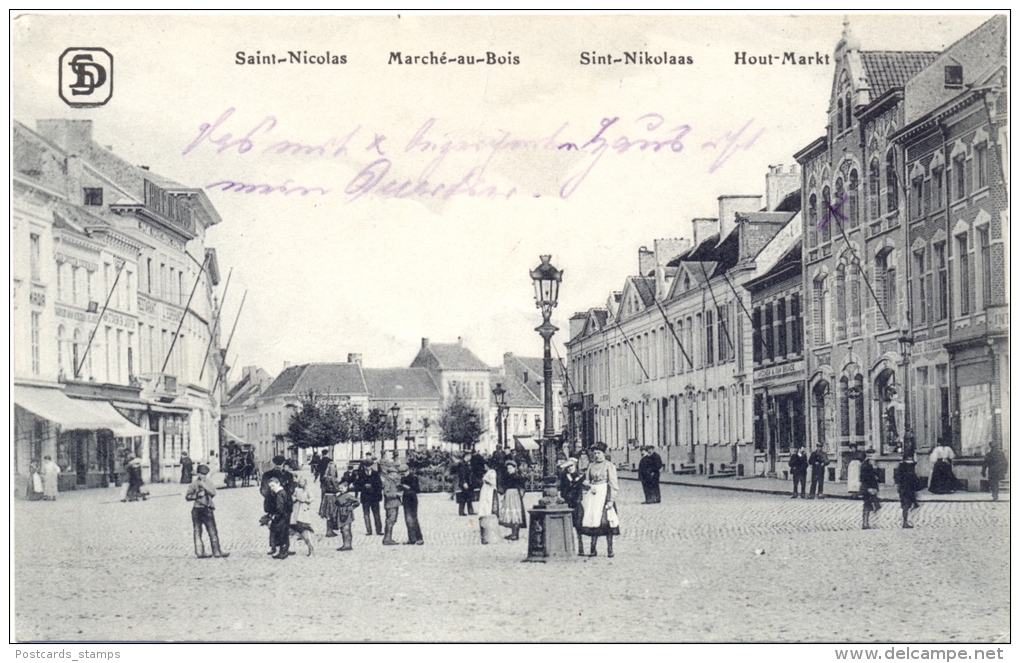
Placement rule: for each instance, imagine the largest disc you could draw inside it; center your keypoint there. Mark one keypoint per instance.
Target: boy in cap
(346, 504)
(281, 505)
(391, 501)
(201, 491)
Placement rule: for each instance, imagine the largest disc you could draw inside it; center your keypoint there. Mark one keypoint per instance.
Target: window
(986, 267)
(981, 165)
(781, 328)
(826, 223)
(858, 385)
(756, 334)
(75, 290)
(954, 76)
(699, 356)
(839, 116)
(180, 287)
(844, 407)
(885, 276)
(916, 194)
(770, 348)
(848, 107)
(813, 221)
(850, 209)
(855, 300)
(840, 320)
(60, 281)
(93, 197)
(892, 195)
(936, 184)
(920, 307)
(874, 184)
(723, 317)
(36, 318)
(163, 283)
(959, 177)
(821, 312)
(709, 339)
(34, 255)
(796, 325)
(148, 275)
(942, 296)
(965, 278)
(75, 357)
(838, 213)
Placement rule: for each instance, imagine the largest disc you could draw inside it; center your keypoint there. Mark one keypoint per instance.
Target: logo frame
(92, 76)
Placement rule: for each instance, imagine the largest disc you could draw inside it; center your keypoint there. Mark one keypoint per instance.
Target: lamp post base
(551, 530)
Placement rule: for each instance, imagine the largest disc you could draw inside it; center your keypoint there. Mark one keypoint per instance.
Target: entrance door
(81, 458)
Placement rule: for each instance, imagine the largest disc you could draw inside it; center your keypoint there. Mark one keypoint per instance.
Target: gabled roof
(529, 370)
(517, 395)
(337, 378)
(596, 321)
(400, 384)
(447, 357)
(891, 69)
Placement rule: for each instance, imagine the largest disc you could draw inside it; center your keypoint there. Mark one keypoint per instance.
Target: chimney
(286, 365)
(354, 358)
(728, 208)
(576, 323)
(779, 184)
(703, 229)
(424, 343)
(646, 261)
(460, 341)
(72, 136)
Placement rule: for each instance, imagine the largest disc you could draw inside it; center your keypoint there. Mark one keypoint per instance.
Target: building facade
(902, 228)
(95, 327)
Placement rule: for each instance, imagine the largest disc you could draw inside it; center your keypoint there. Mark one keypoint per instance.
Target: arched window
(812, 230)
(844, 407)
(874, 186)
(820, 392)
(848, 107)
(60, 351)
(839, 116)
(858, 389)
(839, 215)
(821, 311)
(75, 357)
(855, 300)
(826, 222)
(885, 280)
(892, 195)
(851, 199)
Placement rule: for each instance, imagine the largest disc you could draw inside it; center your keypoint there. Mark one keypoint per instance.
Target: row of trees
(321, 422)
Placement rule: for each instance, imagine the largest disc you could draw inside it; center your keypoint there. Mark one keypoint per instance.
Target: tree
(461, 423)
(378, 427)
(323, 423)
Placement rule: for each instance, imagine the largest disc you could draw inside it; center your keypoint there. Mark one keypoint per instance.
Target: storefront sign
(775, 372)
(172, 314)
(73, 314)
(146, 305)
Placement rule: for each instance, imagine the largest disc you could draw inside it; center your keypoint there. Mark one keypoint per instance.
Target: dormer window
(94, 196)
(954, 76)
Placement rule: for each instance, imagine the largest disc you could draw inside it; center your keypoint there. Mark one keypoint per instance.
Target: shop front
(779, 408)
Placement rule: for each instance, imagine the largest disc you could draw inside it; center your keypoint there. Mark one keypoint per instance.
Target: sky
(410, 200)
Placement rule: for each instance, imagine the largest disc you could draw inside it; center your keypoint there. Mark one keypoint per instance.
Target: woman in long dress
(599, 501)
(942, 478)
(511, 507)
(488, 505)
(35, 483)
(853, 475)
(50, 474)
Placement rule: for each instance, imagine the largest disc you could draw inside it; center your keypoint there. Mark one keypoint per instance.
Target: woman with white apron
(599, 500)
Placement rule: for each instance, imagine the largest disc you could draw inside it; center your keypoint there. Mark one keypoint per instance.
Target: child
(346, 504)
(300, 524)
(280, 506)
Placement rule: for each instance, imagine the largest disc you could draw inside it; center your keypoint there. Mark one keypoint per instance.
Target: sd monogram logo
(86, 77)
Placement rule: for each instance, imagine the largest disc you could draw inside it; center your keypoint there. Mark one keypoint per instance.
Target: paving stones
(89, 567)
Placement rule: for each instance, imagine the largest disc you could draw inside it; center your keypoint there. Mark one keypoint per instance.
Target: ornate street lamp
(500, 394)
(550, 533)
(906, 340)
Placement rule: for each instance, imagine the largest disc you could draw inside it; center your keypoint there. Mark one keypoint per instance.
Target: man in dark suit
(995, 466)
(280, 507)
(286, 481)
(648, 471)
(869, 490)
(370, 490)
(818, 461)
(798, 470)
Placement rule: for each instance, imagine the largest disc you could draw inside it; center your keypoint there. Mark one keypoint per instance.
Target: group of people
(799, 463)
(42, 479)
(497, 485)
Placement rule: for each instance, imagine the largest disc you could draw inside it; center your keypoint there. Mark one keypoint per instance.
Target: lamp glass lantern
(547, 285)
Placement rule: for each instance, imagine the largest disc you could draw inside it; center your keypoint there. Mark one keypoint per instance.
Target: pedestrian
(599, 500)
(330, 487)
(299, 522)
(572, 492)
(463, 488)
(409, 489)
(818, 462)
(50, 472)
(269, 499)
(488, 505)
(34, 491)
(511, 507)
(135, 489)
(942, 480)
(648, 471)
(853, 474)
(187, 467)
(478, 468)
(350, 476)
(370, 490)
(798, 470)
(201, 492)
(314, 464)
(869, 490)
(907, 484)
(995, 465)
(281, 506)
(346, 504)
(391, 501)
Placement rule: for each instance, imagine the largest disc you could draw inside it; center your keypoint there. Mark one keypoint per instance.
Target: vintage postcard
(324, 326)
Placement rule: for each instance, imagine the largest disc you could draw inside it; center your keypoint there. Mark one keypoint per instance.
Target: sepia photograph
(633, 327)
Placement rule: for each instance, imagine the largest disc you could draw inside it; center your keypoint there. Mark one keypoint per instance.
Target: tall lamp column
(547, 290)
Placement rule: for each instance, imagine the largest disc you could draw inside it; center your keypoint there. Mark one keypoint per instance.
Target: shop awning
(73, 414)
(526, 442)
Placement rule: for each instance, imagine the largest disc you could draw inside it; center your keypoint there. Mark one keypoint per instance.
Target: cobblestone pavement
(89, 567)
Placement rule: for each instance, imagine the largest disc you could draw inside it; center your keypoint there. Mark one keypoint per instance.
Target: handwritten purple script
(455, 167)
